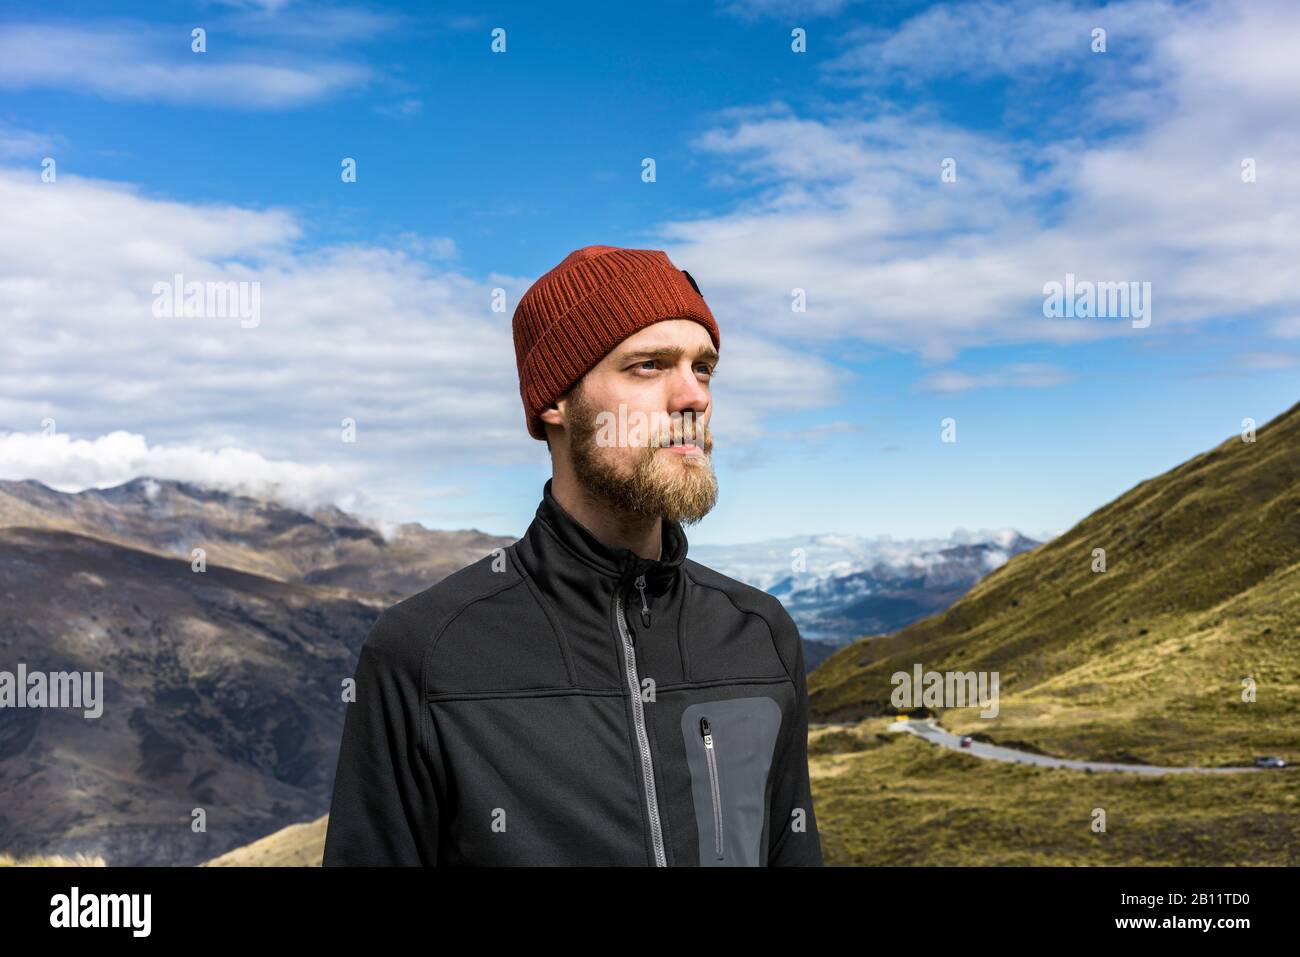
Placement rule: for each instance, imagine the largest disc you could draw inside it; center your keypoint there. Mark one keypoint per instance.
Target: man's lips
(689, 448)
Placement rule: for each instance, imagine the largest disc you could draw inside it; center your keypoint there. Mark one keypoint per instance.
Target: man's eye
(651, 364)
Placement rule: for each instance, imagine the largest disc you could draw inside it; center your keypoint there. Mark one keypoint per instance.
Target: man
(589, 695)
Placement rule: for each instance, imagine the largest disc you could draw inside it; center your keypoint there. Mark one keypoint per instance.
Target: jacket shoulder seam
(446, 623)
(557, 631)
(771, 632)
(437, 633)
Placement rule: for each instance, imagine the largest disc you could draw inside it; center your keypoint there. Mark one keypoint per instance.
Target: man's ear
(552, 408)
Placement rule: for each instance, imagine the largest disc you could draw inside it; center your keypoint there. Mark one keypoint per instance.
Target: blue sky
(775, 170)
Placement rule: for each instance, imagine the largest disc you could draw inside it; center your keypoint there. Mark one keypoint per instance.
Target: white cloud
(983, 39)
(1002, 537)
(17, 143)
(393, 338)
(850, 206)
(1014, 375)
(415, 356)
(782, 9)
(269, 6)
(148, 63)
(302, 24)
(1249, 364)
(71, 465)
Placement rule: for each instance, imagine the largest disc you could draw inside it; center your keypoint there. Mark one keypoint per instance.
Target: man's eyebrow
(671, 353)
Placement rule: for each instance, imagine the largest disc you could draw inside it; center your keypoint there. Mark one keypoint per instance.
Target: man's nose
(689, 400)
(688, 392)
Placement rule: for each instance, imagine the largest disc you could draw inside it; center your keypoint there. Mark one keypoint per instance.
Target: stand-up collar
(615, 562)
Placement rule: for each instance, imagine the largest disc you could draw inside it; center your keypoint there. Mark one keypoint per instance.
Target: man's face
(637, 424)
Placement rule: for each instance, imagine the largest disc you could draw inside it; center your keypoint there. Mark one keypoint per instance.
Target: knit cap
(572, 316)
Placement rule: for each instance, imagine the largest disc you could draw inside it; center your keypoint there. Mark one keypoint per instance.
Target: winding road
(930, 730)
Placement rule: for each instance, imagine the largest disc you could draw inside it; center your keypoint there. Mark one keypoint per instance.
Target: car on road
(1269, 761)
(965, 740)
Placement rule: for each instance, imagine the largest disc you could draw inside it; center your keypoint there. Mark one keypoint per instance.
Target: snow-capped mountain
(841, 587)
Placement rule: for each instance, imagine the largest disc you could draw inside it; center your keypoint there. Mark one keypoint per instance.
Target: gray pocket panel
(729, 749)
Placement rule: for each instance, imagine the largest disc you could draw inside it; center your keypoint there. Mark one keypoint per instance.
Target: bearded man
(589, 695)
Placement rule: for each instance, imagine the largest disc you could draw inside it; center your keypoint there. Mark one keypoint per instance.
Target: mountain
(327, 547)
(221, 687)
(1199, 602)
(847, 586)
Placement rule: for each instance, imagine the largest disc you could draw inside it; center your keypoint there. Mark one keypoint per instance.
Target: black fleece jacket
(562, 702)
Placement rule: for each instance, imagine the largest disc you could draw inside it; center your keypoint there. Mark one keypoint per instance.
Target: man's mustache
(701, 437)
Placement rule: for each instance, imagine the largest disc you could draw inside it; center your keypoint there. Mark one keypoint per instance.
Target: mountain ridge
(1201, 591)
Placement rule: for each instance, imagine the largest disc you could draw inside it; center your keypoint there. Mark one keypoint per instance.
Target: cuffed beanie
(571, 317)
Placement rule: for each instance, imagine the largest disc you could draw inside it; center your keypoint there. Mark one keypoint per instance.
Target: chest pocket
(729, 748)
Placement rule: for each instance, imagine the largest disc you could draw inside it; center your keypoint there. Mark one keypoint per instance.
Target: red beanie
(571, 317)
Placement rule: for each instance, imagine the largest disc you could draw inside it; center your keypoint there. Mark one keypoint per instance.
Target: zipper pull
(704, 731)
(645, 608)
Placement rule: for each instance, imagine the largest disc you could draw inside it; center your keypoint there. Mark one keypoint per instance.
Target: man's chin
(691, 495)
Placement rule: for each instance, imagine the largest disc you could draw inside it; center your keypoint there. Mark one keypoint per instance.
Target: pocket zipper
(712, 760)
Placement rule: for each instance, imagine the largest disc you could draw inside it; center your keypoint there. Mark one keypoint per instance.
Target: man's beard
(658, 485)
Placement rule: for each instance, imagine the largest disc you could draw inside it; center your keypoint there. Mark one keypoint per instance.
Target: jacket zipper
(711, 757)
(643, 742)
(645, 608)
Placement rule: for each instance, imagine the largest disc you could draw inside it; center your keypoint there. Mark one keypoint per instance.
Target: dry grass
(904, 801)
(55, 860)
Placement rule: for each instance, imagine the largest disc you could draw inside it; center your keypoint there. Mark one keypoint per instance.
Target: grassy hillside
(1146, 660)
(893, 799)
(298, 845)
